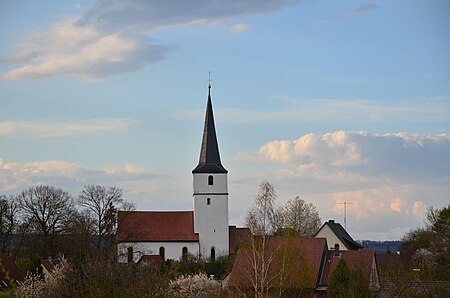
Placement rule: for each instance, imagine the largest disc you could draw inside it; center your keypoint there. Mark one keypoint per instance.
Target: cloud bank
(53, 129)
(389, 178)
(113, 37)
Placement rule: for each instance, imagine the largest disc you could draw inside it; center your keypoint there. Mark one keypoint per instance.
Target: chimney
(331, 221)
(336, 250)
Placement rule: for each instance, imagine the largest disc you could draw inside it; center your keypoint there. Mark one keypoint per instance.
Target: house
(204, 231)
(10, 275)
(295, 264)
(337, 235)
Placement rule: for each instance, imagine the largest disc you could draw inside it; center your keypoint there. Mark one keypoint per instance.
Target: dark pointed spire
(209, 155)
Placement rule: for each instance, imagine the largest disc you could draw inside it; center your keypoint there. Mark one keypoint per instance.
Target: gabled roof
(209, 161)
(342, 234)
(156, 226)
(303, 261)
(10, 274)
(355, 259)
(50, 264)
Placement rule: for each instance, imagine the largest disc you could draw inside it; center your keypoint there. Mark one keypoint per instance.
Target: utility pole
(345, 212)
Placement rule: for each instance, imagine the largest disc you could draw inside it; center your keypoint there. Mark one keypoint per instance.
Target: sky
(332, 101)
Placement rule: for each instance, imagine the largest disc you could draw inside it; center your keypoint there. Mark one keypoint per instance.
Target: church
(203, 232)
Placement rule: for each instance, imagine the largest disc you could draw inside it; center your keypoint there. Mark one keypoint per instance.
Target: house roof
(237, 236)
(302, 257)
(342, 234)
(355, 259)
(50, 264)
(155, 226)
(209, 161)
(152, 260)
(10, 274)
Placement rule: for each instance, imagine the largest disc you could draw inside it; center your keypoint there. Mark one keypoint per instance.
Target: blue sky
(330, 100)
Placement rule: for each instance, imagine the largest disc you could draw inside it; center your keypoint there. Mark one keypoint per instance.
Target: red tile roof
(237, 236)
(10, 274)
(355, 259)
(303, 262)
(154, 226)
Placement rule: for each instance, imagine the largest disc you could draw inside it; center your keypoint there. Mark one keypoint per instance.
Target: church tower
(211, 193)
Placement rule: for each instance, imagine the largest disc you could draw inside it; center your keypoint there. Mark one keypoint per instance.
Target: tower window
(162, 252)
(208, 201)
(213, 253)
(210, 180)
(130, 254)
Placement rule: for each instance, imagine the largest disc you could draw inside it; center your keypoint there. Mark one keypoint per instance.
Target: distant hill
(381, 246)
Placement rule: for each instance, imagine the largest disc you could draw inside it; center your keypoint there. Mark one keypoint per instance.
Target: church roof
(155, 226)
(209, 161)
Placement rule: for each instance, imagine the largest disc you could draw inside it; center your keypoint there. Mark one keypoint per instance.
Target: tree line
(45, 221)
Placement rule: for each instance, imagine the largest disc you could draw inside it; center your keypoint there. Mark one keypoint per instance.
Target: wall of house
(331, 237)
(172, 250)
(211, 213)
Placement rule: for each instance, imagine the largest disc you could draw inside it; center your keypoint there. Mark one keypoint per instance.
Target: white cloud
(390, 179)
(240, 27)
(15, 177)
(52, 129)
(113, 37)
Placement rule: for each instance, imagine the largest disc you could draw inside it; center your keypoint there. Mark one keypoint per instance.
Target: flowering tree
(197, 285)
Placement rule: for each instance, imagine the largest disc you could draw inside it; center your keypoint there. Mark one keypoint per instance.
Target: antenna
(345, 212)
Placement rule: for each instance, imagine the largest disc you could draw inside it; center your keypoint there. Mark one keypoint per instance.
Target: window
(184, 253)
(210, 180)
(130, 254)
(208, 201)
(162, 252)
(213, 253)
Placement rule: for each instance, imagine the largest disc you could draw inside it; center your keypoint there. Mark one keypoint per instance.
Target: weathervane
(209, 80)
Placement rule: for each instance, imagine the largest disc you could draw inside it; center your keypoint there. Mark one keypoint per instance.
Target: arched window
(208, 201)
(130, 254)
(210, 180)
(162, 252)
(213, 253)
(184, 253)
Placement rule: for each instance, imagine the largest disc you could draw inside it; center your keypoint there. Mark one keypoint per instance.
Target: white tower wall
(211, 213)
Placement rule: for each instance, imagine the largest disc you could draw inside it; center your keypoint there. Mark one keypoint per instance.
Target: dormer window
(210, 180)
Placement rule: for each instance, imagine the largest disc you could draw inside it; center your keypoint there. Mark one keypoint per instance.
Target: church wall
(172, 250)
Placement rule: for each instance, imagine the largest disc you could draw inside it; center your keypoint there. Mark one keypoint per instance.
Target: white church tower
(211, 193)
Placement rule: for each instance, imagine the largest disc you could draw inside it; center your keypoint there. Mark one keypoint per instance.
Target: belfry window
(213, 253)
(210, 180)
(208, 201)
(162, 252)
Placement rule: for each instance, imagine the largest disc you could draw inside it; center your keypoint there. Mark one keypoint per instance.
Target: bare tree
(101, 203)
(260, 219)
(46, 209)
(9, 221)
(297, 218)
